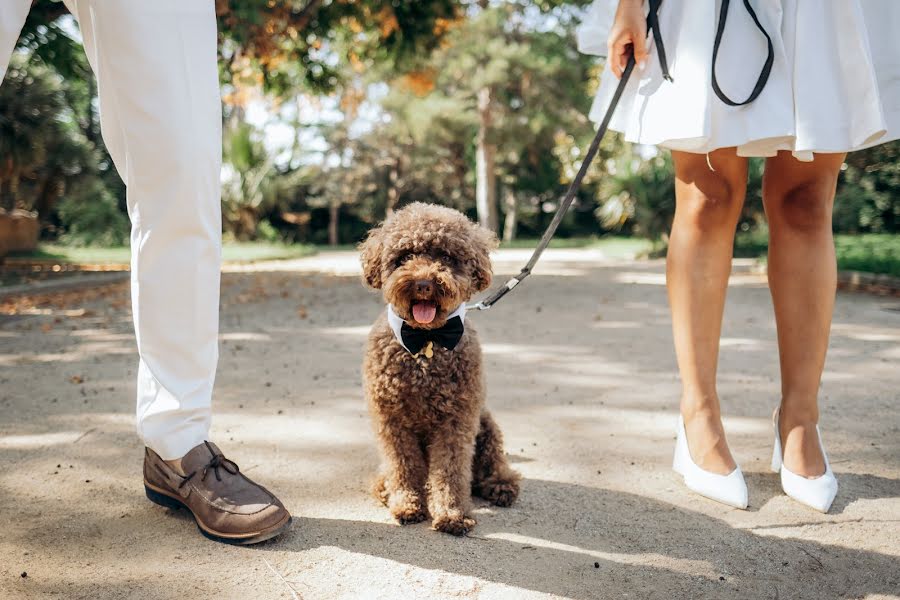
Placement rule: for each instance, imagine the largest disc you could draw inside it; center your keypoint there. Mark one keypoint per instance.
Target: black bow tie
(447, 336)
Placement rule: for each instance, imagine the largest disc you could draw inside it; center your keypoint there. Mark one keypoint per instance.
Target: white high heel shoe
(817, 492)
(728, 489)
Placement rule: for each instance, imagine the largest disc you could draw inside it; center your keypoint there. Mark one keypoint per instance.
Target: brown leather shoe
(227, 506)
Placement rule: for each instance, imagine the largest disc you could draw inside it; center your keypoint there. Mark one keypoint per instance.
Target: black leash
(653, 25)
(767, 67)
(567, 200)
(653, 28)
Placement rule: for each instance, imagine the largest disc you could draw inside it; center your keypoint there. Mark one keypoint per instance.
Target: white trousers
(160, 112)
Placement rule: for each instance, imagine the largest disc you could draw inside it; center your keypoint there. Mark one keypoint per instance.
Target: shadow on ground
(581, 378)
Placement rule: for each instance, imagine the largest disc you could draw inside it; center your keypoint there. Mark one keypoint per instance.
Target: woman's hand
(629, 30)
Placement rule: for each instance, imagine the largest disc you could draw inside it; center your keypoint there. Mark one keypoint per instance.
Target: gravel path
(581, 378)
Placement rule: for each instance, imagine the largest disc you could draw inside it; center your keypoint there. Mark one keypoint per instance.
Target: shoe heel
(776, 455)
(162, 499)
(776, 446)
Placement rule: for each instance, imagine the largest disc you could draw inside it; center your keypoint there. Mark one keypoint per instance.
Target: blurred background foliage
(336, 112)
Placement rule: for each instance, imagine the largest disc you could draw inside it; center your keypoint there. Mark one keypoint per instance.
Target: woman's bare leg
(708, 206)
(798, 198)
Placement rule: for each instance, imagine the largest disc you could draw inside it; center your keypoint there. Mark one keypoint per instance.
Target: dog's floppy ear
(485, 241)
(370, 257)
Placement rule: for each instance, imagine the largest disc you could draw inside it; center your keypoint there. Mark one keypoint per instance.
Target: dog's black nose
(424, 287)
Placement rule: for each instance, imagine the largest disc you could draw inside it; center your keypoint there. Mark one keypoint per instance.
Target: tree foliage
(45, 152)
(293, 45)
(868, 199)
(469, 103)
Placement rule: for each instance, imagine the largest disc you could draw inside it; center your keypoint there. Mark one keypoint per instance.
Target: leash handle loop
(766, 69)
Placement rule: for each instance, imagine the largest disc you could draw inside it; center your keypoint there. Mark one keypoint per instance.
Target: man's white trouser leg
(156, 66)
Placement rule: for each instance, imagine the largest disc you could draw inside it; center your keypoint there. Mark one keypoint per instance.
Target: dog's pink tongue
(423, 312)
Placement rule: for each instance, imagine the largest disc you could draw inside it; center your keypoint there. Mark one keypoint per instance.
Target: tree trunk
(486, 178)
(7, 198)
(8, 195)
(512, 217)
(334, 212)
(393, 192)
(7, 191)
(47, 192)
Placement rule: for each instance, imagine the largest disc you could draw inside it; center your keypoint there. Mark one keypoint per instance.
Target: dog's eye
(446, 258)
(402, 259)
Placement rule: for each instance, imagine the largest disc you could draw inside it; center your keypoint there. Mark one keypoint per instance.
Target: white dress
(834, 84)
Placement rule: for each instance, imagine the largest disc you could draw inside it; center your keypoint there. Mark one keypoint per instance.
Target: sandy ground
(582, 379)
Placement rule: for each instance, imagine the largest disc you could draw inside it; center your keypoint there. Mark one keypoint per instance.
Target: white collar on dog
(396, 323)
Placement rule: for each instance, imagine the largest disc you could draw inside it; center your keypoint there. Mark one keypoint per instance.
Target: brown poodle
(422, 369)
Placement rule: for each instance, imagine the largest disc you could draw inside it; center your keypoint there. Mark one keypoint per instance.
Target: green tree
(507, 92)
(27, 99)
(868, 197)
(285, 48)
(74, 159)
(293, 45)
(42, 149)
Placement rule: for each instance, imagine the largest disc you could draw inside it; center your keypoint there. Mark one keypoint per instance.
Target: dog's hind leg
(492, 477)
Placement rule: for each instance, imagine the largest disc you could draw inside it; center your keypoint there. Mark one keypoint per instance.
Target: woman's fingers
(639, 44)
(615, 57)
(628, 35)
(621, 49)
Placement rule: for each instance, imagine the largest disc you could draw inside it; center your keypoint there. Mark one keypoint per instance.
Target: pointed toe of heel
(817, 493)
(728, 489)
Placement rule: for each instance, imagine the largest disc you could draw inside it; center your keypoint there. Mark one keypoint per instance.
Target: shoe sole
(160, 497)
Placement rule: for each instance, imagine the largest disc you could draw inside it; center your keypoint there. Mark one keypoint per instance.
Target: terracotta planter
(18, 231)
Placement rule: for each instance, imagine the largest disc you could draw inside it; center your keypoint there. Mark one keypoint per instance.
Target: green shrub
(872, 253)
(92, 218)
(266, 232)
(639, 195)
(868, 196)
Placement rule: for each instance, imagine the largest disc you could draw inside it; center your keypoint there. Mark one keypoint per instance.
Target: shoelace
(215, 463)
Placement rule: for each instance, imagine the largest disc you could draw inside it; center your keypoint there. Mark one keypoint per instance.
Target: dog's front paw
(407, 508)
(498, 492)
(409, 515)
(454, 523)
(380, 489)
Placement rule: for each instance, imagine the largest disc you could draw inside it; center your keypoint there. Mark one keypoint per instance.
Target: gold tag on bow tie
(429, 350)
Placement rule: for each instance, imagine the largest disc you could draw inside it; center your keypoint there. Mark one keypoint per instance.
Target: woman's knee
(708, 200)
(802, 207)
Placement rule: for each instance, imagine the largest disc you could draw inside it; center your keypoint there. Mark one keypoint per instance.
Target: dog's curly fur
(439, 443)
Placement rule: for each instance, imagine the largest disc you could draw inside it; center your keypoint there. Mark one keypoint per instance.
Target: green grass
(871, 253)
(868, 252)
(256, 251)
(613, 246)
(617, 247)
(574, 242)
(231, 252)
